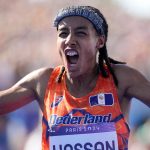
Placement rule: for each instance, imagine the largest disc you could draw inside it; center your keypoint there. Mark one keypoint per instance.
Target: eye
(63, 34)
(81, 33)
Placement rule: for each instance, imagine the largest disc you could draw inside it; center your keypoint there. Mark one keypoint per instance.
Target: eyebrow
(81, 28)
(77, 28)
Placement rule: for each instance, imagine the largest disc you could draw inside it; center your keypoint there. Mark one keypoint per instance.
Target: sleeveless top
(101, 105)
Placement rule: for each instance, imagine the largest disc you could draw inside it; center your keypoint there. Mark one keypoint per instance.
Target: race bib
(84, 137)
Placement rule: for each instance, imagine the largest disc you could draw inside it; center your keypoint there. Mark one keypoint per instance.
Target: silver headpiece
(83, 11)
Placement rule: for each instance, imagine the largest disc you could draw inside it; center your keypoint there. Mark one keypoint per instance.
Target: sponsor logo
(56, 101)
(87, 119)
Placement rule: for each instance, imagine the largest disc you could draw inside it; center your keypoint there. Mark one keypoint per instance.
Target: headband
(83, 11)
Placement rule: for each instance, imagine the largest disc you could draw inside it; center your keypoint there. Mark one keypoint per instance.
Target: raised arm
(24, 91)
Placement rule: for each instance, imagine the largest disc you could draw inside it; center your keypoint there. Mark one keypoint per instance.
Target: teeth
(72, 53)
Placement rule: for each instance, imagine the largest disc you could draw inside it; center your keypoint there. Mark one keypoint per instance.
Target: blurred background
(28, 42)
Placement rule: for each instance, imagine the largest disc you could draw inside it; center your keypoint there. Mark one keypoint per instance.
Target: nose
(70, 40)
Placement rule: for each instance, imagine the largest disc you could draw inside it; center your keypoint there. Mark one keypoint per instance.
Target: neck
(83, 84)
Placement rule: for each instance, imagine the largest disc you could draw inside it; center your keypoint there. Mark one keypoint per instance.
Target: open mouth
(72, 56)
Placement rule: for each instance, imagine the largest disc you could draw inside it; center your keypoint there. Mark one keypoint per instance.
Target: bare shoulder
(128, 74)
(132, 83)
(42, 73)
(37, 81)
(41, 78)
(34, 78)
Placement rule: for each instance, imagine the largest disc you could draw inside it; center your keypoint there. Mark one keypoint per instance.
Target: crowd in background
(28, 42)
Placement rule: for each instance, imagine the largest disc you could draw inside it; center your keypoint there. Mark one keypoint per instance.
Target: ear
(100, 42)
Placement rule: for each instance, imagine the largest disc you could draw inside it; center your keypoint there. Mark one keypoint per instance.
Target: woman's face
(78, 42)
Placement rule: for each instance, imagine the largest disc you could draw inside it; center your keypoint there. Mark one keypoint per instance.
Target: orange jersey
(99, 106)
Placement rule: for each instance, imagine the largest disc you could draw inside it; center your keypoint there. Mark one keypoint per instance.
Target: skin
(79, 34)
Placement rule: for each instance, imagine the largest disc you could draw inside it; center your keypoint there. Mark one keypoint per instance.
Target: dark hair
(103, 60)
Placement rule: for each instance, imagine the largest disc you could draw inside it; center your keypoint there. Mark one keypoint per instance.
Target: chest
(97, 107)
